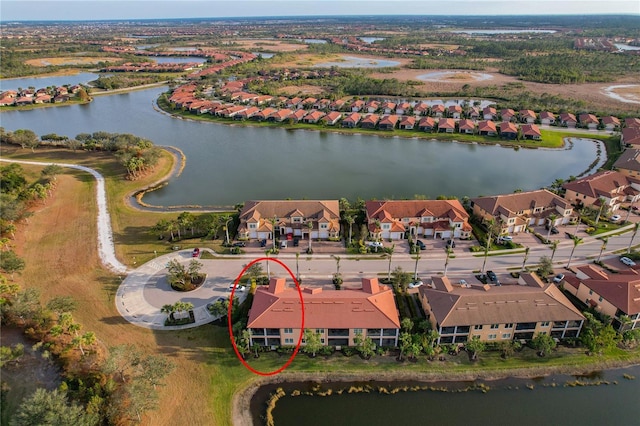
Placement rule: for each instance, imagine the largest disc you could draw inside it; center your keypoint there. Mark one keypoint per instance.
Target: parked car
(296, 242)
(263, 242)
(283, 244)
(195, 252)
(554, 230)
(464, 283)
(558, 278)
(615, 218)
(416, 284)
(376, 244)
(239, 244)
(492, 276)
(505, 238)
(421, 245)
(627, 261)
(239, 288)
(451, 243)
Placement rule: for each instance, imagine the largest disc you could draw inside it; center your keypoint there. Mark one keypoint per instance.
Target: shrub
(590, 230)
(349, 351)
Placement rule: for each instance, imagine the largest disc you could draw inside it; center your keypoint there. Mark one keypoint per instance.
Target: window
(252, 226)
(492, 336)
(288, 341)
(322, 340)
(296, 219)
(590, 292)
(511, 220)
(288, 330)
(357, 331)
(320, 330)
(386, 226)
(494, 326)
(600, 299)
(508, 325)
(506, 335)
(323, 226)
(405, 219)
(544, 324)
(477, 327)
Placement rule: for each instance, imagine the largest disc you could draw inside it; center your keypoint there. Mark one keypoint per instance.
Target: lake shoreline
(242, 415)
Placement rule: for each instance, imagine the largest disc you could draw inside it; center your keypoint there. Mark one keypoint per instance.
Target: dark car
(451, 243)
(554, 230)
(492, 276)
(263, 242)
(195, 252)
(239, 244)
(421, 245)
(296, 242)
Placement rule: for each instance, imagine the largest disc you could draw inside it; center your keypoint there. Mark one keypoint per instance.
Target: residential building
(521, 209)
(466, 126)
(407, 123)
(610, 186)
(403, 108)
(428, 218)
(499, 313)
(370, 121)
(313, 117)
(447, 125)
(508, 130)
(589, 121)
(547, 117)
(629, 163)
(290, 219)
(610, 122)
(487, 128)
(332, 118)
(426, 124)
(351, 120)
(388, 122)
(507, 114)
(630, 136)
(455, 111)
(568, 120)
(489, 113)
(531, 131)
(613, 295)
(338, 316)
(527, 116)
(437, 110)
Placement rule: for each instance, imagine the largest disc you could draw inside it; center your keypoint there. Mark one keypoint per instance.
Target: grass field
(60, 249)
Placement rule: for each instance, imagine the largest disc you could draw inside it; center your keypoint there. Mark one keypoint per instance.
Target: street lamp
(226, 229)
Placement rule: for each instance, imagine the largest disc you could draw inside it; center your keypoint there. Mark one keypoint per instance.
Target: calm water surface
(229, 164)
(502, 405)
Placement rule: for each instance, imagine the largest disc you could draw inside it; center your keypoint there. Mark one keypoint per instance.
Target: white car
(615, 218)
(505, 238)
(416, 284)
(239, 288)
(627, 261)
(374, 244)
(558, 278)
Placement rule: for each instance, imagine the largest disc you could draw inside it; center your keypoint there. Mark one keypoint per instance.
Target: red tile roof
(373, 306)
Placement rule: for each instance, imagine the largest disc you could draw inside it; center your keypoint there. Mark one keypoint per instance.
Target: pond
(46, 81)
(227, 164)
(454, 76)
(544, 400)
(370, 40)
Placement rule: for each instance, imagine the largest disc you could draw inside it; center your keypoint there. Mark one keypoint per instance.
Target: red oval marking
(230, 326)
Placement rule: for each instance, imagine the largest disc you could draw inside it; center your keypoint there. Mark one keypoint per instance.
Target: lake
(230, 164)
(508, 402)
(357, 62)
(494, 32)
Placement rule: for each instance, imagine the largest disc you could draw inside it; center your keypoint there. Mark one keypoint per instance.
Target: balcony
(374, 332)
(390, 332)
(526, 326)
(338, 332)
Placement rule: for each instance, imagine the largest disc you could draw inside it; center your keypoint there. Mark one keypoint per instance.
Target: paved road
(145, 290)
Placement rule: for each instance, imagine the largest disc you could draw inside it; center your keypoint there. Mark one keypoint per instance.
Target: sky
(36, 10)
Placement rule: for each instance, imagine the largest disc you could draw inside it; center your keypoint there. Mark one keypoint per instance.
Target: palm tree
(337, 259)
(581, 212)
(576, 241)
(603, 204)
(492, 227)
(273, 232)
(266, 253)
(554, 247)
(389, 254)
(169, 310)
(626, 219)
(297, 267)
(526, 255)
(415, 270)
(310, 226)
(226, 220)
(635, 231)
(604, 246)
(446, 262)
(350, 220)
(552, 221)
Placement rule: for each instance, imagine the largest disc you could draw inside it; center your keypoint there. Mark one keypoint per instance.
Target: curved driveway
(145, 290)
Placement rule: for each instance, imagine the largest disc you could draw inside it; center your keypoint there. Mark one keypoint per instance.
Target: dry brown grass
(270, 45)
(59, 245)
(67, 60)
